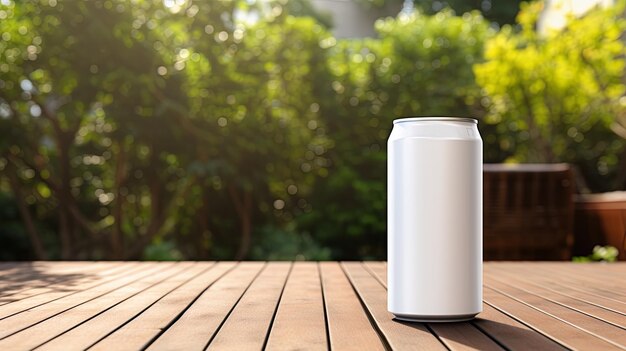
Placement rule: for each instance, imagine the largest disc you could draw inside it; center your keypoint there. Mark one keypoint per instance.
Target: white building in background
(555, 12)
(354, 19)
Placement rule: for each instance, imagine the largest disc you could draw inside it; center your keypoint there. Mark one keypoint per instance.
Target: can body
(434, 219)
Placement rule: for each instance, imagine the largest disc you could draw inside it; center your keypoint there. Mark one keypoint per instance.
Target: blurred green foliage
(599, 254)
(555, 98)
(220, 129)
(162, 251)
(421, 65)
(131, 125)
(13, 239)
(273, 243)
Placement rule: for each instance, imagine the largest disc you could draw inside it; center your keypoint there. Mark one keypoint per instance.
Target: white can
(434, 219)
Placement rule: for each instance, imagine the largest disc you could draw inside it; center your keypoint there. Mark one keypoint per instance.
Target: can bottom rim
(435, 319)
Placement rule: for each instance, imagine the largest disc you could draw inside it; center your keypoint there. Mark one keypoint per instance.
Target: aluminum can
(434, 219)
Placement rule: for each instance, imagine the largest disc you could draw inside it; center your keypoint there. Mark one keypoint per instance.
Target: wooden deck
(302, 305)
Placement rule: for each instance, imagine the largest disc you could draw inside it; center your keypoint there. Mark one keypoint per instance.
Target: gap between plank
(373, 274)
(437, 336)
(319, 274)
(547, 314)
(571, 285)
(82, 303)
(384, 284)
(537, 284)
(280, 297)
(163, 330)
(159, 282)
(233, 307)
(526, 324)
(370, 317)
(62, 276)
(102, 281)
(559, 303)
(493, 338)
(558, 318)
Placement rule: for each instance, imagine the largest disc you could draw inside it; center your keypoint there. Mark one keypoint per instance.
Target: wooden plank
(599, 271)
(456, 336)
(528, 306)
(463, 336)
(65, 284)
(56, 325)
(378, 270)
(14, 269)
(610, 287)
(578, 281)
(299, 321)
(511, 333)
(194, 329)
(565, 334)
(91, 331)
(509, 278)
(8, 268)
(593, 326)
(131, 326)
(399, 335)
(61, 290)
(614, 304)
(499, 326)
(248, 325)
(30, 276)
(548, 282)
(24, 275)
(581, 276)
(17, 322)
(348, 325)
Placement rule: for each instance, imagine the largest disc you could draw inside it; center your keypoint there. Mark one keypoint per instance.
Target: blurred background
(182, 129)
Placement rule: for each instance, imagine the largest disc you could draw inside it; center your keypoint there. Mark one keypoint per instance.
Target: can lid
(434, 119)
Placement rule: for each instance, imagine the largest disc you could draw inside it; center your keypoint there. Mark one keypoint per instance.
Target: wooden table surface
(302, 305)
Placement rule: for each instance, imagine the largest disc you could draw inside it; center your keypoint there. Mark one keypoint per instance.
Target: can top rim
(434, 119)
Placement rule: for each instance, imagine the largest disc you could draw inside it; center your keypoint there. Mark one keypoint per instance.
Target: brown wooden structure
(600, 219)
(528, 212)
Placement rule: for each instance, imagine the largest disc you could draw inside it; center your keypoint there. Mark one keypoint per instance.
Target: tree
(421, 65)
(262, 122)
(554, 98)
(82, 102)
(128, 134)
